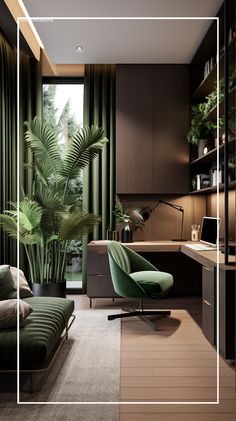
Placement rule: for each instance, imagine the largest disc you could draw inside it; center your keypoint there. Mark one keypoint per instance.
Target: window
(63, 109)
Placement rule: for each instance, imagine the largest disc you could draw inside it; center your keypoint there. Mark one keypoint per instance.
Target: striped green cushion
(39, 335)
(7, 286)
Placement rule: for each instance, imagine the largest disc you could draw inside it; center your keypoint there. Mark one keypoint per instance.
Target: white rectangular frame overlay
(48, 19)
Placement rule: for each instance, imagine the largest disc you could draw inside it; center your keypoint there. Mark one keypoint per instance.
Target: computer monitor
(210, 230)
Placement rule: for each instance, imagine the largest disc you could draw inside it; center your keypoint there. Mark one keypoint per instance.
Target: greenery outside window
(63, 110)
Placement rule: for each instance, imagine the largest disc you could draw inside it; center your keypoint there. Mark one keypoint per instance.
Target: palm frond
(84, 146)
(30, 214)
(9, 225)
(50, 201)
(76, 224)
(42, 140)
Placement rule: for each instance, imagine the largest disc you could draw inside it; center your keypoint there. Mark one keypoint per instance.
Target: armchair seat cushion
(155, 283)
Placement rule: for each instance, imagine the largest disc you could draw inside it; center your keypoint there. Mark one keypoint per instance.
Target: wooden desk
(208, 257)
(194, 273)
(165, 255)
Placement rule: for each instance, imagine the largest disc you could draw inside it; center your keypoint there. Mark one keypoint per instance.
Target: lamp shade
(143, 214)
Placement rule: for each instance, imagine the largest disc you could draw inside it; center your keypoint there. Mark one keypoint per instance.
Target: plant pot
(201, 145)
(54, 289)
(126, 234)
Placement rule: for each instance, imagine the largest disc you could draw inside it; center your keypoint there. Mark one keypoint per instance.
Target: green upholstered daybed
(41, 332)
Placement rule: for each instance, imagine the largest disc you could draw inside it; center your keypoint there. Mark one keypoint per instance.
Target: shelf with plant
(212, 113)
(207, 84)
(203, 123)
(52, 216)
(211, 156)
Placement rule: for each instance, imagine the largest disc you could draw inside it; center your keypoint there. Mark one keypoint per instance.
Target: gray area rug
(86, 369)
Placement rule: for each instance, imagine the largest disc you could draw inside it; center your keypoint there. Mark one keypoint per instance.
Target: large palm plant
(53, 215)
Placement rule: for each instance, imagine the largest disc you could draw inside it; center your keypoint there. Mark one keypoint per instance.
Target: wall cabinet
(226, 309)
(151, 126)
(208, 303)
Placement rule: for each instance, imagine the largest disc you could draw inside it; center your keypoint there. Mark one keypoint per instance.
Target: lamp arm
(178, 207)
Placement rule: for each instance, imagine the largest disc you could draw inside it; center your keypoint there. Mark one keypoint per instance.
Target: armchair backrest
(120, 268)
(120, 256)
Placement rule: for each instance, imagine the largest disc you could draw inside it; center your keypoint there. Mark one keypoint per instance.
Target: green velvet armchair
(134, 277)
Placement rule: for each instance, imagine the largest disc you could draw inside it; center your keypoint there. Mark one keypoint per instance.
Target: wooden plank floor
(176, 364)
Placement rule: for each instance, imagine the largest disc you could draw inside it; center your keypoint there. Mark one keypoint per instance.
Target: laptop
(209, 234)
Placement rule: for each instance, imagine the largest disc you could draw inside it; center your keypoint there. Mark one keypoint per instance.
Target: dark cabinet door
(134, 129)
(152, 113)
(170, 127)
(208, 303)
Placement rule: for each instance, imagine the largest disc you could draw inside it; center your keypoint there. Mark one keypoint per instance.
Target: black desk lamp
(143, 214)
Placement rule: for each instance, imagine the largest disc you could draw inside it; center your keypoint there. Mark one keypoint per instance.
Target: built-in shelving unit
(212, 115)
(213, 189)
(211, 156)
(208, 83)
(205, 165)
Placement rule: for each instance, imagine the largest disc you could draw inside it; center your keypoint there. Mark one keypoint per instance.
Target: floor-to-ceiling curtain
(99, 178)
(30, 105)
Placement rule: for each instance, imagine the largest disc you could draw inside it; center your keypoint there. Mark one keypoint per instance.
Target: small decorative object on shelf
(206, 149)
(126, 234)
(109, 235)
(232, 170)
(203, 145)
(216, 177)
(203, 181)
(231, 33)
(115, 235)
(195, 231)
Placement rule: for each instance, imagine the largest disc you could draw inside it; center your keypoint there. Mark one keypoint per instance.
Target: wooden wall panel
(151, 126)
(164, 223)
(170, 127)
(134, 129)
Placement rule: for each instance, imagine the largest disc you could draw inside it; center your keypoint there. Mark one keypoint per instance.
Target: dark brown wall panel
(134, 129)
(151, 125)
(170, 126)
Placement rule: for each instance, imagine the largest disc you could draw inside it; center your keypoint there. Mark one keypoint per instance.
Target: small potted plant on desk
(52, 216)
(125, 218)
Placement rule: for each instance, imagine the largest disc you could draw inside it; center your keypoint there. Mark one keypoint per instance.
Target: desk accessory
(195, 231)
(143, 214)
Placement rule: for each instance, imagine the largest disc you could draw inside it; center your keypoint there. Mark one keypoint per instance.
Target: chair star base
(142, 314)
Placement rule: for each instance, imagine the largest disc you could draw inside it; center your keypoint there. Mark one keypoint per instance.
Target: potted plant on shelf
(201, 127)
(52, 216)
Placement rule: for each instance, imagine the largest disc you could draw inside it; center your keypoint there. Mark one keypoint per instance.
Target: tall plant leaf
(85, 145)
(30, 214)
(9, 225)
(42, 140)
(76, 224)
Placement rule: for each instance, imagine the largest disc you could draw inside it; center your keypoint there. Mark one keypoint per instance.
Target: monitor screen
(210, 230)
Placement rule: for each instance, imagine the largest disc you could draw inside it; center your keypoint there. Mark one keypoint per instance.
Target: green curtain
(99, 178)
(30, 105)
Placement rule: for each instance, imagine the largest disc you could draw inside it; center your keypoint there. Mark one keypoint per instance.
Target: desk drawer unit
(99, 283)
(208, 303)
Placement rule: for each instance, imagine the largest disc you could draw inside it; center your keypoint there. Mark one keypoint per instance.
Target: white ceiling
(122, 41)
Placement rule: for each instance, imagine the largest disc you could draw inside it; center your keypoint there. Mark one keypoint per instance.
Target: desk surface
(208, 258)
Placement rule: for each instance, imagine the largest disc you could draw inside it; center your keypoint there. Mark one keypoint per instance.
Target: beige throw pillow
(8, 312)
(25, 290)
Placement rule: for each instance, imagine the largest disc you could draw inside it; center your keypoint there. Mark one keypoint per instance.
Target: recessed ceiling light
(79, 48)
